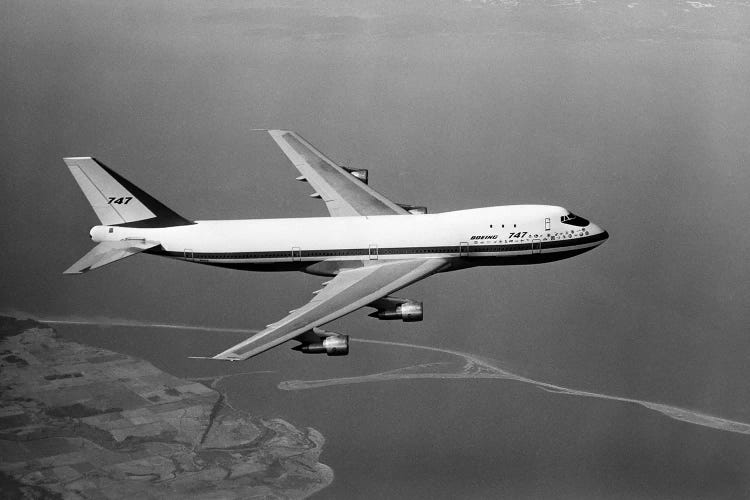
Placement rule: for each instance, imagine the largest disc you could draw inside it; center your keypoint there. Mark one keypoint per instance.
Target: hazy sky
(635, 116)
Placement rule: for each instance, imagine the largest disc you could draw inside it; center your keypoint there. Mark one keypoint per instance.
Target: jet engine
(407, 311)
(413, 209)
(359, 173)
(335, 345)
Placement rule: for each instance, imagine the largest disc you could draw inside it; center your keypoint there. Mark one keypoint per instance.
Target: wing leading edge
(343, 194)
(347, 292)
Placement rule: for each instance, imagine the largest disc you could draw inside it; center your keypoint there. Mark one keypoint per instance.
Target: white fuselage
(516, 234)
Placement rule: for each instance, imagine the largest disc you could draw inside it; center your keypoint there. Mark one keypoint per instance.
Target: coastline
(83, 422)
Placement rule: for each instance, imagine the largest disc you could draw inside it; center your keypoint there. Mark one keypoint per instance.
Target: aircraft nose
(598, 231)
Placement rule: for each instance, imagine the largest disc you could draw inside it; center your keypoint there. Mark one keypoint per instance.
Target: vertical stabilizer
(116, 200)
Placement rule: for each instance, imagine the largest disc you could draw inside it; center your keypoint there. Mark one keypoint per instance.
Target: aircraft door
(373, 252)
(296, 254)
(188, 254)
(463, 249)
(536, 246)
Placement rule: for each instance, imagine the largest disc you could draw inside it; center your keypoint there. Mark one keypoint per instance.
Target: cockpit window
(574, 220)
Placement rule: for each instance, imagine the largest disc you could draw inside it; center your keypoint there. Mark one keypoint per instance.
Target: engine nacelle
(359, 173)
(335, 345)
(413, 209)
(408, 311)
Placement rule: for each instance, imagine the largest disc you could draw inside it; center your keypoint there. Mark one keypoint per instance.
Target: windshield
(574, 220)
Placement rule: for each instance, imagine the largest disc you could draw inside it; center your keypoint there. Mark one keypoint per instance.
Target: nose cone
(600, 234)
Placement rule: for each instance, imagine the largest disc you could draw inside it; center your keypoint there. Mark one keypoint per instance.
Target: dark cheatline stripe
(575, 241)
(361, 252)
(165, 217)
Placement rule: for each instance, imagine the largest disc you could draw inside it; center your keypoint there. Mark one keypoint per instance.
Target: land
(82, 422)
(477, 367)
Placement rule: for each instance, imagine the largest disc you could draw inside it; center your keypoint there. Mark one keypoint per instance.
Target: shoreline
(79, 421)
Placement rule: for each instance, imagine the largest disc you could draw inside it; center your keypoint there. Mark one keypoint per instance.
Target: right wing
(348, 291)
(344, 194)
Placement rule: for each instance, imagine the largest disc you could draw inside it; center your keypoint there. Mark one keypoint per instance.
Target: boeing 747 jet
(370, 246)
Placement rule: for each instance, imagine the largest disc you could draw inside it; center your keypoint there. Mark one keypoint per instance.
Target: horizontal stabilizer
(107, 252)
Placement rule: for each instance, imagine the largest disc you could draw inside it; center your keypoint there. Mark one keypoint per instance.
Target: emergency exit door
(296, 254)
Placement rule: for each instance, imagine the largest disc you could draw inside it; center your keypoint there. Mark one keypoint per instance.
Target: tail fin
(108, 252)
(116, 200)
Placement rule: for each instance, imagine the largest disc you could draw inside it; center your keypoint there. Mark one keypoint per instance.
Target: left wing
(343, 193)
(348, 291)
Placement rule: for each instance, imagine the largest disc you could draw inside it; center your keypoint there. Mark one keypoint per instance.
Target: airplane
(370, 246)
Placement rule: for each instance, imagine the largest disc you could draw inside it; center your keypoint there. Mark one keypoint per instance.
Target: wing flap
(347, 292)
